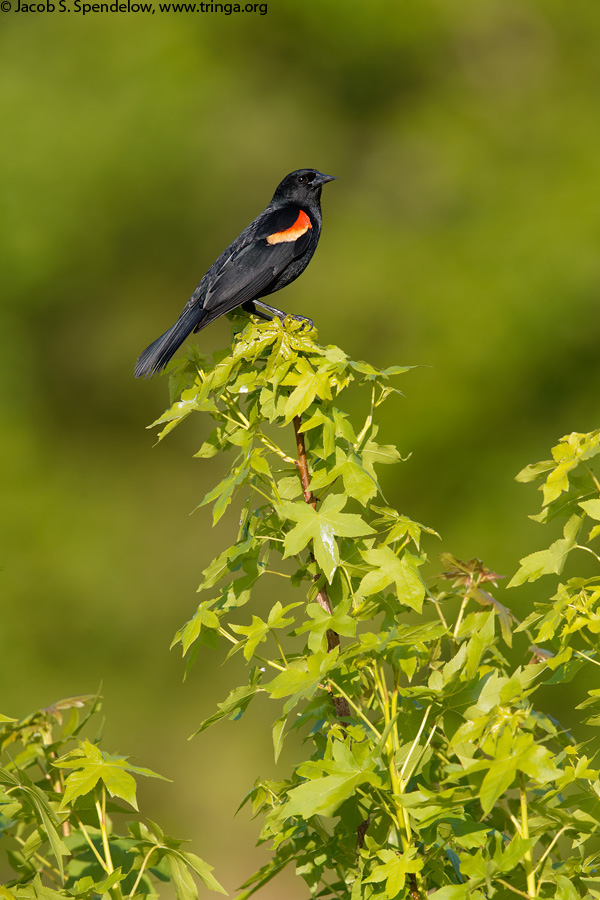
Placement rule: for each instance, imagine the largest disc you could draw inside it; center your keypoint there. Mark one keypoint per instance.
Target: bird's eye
(302, 179)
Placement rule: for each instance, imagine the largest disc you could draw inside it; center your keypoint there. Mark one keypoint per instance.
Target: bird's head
(302, 187)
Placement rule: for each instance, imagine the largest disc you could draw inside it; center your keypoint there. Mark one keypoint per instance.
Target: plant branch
(333, 639)
(302, 463)
(357, 710)
(544, 855)
(84, 832)
(588, 550)
(461, 611)
(141, 872)
(274, 448)
(528, 860)
(588, 658)
(101, 810)
(514, 889)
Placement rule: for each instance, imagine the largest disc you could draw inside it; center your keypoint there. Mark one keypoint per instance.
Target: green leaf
(536, 760)
(321, 526)
(221, 565)
(59, 849)
(223, 437)
(550, 561)
(387, 568)
(557, 481)
(87, 885)
(566, 890)
(203, 618)
(479, 643)
(379, 454)
(35, 798)
(592, 508)
(454, 892)
(259, 630)
(311, 385)
(395, 370)
(91, 766)
(453, 669)
(498, 779)
(332, 782)
(278, 735)
(321, 621)
(534, 470)
(236, 703)
(326, 422)
(203, 870)
(514, 755)
(322, 797)
(571, 450)
(505, 616)
(302, 678)
(224, 491)
(509, 857)
(358, 483)
(594, 533)
(183, 883)
(182, 408)
(394, 869)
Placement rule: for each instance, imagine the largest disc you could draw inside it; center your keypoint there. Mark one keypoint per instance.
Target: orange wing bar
(300, 227)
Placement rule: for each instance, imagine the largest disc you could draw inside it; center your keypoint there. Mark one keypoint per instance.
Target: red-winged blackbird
(270, 253)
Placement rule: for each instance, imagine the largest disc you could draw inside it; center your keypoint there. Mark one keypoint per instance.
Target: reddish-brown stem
(302, 464)
(333, 639)
(414, 889)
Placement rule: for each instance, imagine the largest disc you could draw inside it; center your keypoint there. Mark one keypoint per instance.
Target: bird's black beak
(321, 179)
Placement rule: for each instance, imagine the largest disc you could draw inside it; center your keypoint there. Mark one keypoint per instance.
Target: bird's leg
(278, 312)
(249, 307)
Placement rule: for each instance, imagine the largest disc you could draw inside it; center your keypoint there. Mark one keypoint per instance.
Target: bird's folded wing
(245, 276)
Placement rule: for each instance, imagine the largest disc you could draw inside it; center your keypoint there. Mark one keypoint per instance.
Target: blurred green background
(463, 235)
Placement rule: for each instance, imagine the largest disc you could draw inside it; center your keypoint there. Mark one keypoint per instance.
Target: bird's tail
(157, 355)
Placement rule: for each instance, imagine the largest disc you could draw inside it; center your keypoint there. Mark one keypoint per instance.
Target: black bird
(270, 253)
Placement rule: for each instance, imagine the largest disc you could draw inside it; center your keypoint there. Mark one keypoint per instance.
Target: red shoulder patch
(300, 227)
